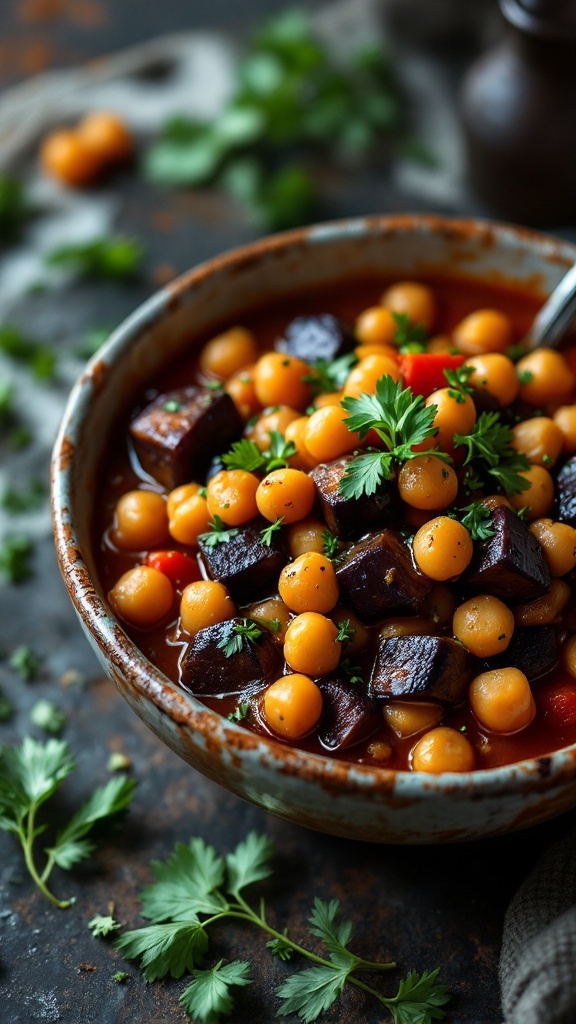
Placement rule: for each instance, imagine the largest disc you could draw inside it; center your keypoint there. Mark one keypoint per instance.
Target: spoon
(556, 315)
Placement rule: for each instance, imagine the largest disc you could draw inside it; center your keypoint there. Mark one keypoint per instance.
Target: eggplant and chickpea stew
(355, 531)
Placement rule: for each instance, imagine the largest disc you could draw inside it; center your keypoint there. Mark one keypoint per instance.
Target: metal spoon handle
(554, 319)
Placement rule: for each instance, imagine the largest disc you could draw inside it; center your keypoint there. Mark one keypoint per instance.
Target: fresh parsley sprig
(242, 633)
(195, 888)
(489, 446)
(459, 382)
(409, 336)
(326, 375)
(268, 532)
(218, 533)
(477, 518)
(401, 420)
(245, 454)
(116, 258)
(30, 774)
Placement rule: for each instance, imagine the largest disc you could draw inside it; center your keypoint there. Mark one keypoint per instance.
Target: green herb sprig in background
(196, 888)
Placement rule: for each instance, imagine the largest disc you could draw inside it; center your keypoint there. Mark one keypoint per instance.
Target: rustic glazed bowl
(332, 796)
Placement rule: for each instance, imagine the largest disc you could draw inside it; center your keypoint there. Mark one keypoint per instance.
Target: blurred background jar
(519, 115)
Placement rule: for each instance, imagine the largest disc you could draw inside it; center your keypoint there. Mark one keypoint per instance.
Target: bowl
(331, 796)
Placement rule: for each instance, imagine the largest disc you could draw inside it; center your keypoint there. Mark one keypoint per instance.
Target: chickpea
(140, 521)
(451, 416)
(443, 750)
(231, 494)
(375, 326)
(292, 706)
(407, 625)
(539, 439)
(502, 700)
(440, 343)
(569, 655)
(276, 419)
(379, 751)
(296, 432)
(272, 611)
(305, 535)
(240, 387)
(280, 378)
(285, 493)
(309, 584)
(442, 548)
(545, 376)
(496, 374)
(179, 495)
(485, 330)
(189, 519)
(538, 497)
(492, 501)
(228, 353)
(311, 644)
(363, 378)
(327, 398)
(546, 609)
(143, 596)
(326, 435)
(440, 604)
(416, 300)
(558, 541)
(427, 483)
(565, 419)
(407, 718)
(66, 156)
(203, 604)
(107, 137)
(484, 624)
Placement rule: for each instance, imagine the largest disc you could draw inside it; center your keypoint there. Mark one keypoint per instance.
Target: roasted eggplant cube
(511, 564)
(566, 492)
(220, 661)
(317, 337)
(534, 650)
(350, 518)
(176, 436)
(427, 667)
(378, 578)
(244, 564)
(348, 716)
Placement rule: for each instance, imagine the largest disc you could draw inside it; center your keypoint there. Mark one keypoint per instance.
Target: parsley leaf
(245, 454)
(171, 948)
(459, 381)
(115, 258)
(268, 532)
(102, 926)
(280, 947)
(331, 544)
(477, 518)
(489, 444)
(400, 419)
(330, 376)
(249, 862)
(46, 715)
(241, 711)
(208, 997)
(218, 533)
(408, 336)
(40, 359)
(23, 661)
(242, 633)
(312, 991)
(345, 631)
(419, 999)
(185, 884)
(30, 774)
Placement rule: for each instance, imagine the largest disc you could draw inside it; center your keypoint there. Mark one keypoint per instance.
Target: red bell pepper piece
(424, 371)
(559, 704)
(178, 567)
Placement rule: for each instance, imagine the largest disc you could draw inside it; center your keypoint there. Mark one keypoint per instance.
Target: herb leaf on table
(196, 888)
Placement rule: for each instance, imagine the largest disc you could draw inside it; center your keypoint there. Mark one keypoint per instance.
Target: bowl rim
(128, 662)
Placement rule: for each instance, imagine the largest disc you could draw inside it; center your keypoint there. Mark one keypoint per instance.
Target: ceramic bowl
(345, 799)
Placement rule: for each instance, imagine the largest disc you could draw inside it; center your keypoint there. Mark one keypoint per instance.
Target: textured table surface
(424, 907)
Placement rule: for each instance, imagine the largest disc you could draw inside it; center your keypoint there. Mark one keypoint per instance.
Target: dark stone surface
(424, 907)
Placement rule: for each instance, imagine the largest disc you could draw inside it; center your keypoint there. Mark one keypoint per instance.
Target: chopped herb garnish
(401, 420)
(408, 336)
(101, 926)
(117, 258)
(120, 977)
(352, 672)
(242, 633)
(48, 716)
(477, 519)
(15, 553)
(40, 359)
(331, 544)
(24, 499)
(459, 382)
(219, 533)
(268, 532)
(29, 775)
(516, 352)
(345, 631)
(489, 444)
(240, 713)
(525, 376)
(195, 887)
(245, 454)
(202, 492)
(330, 376)
(23, 661)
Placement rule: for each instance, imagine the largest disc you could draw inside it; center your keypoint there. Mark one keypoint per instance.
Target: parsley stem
(27, 836)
